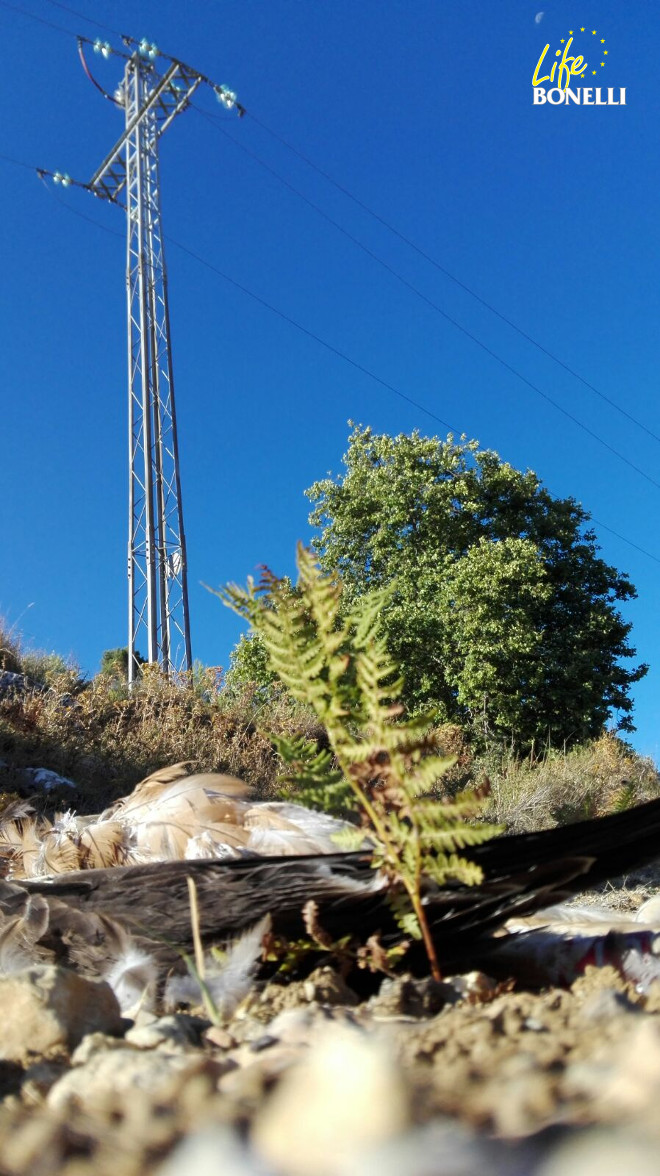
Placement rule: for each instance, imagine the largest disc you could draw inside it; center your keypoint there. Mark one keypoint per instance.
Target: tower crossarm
(169, 97)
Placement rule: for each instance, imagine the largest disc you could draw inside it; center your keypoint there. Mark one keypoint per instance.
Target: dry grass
(106, 740)
(564, 786)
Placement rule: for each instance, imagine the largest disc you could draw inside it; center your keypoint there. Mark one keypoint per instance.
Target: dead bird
(170, 816)
(521, 874)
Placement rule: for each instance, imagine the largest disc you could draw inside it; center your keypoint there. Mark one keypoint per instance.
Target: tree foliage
(502, 612)
(114, 663)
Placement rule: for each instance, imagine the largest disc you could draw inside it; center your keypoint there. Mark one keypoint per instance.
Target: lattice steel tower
(158, 616)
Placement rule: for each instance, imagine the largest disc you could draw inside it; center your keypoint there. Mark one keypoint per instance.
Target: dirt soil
(462, 1077)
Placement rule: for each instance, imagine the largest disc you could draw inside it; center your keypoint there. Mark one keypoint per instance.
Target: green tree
(114, 663)
(503, 616)
(248, 665)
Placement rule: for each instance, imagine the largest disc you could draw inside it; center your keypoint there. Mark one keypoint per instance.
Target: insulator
(226, 96)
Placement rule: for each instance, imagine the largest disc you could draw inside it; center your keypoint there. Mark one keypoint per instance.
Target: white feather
(320, 826)
(206, 845)
(133, 977)
(227, 981)
(19, 936)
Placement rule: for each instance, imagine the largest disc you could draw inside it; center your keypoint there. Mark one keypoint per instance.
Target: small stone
(345, 1096)
(247, 1083)
(211, 1152)
(47, 780)
(92, 1044)
(327, 987)
(125, 1070)
(39, 1079)
(603, 1153)
(219, 1037)
(534, 1025)
(406, 997)
(177, 1031)
(263, 1043)
(623, 1079)
(605, 1005)
(45, 1007)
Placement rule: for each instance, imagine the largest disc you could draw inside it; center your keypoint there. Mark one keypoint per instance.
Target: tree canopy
(503, 616)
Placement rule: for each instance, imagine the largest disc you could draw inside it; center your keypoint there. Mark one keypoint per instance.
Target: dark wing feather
(521, 874)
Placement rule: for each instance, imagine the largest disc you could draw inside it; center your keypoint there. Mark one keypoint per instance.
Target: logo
(570, 68)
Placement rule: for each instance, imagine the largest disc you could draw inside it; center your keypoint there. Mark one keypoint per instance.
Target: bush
(106, 739)
(599, 777)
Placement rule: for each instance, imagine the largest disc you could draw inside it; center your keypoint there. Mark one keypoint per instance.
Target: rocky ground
(421, 1079)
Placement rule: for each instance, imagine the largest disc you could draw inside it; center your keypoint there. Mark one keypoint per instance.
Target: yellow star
(605, 51)
(562, 40)
(602, 63)
(602, 40)
(581, 30)
(593, 71)
(593, 32)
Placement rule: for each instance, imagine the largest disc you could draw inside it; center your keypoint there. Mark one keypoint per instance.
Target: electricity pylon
(158, 616)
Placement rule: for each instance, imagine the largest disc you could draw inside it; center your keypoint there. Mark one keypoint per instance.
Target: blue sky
(425, 113)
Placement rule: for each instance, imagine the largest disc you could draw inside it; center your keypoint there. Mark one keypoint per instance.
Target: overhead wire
(447, 273)
(433, 305)
(407, 241)
(90, 19)
(33, 16)
(311, 335)
(24, 12)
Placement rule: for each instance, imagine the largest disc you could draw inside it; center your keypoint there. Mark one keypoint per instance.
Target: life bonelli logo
(569, 70)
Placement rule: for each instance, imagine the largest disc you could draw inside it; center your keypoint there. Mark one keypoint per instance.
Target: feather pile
(170, 816)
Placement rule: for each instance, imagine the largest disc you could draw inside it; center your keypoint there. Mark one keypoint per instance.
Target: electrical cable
(6, 4)
(90, 75)
(90, 19)
(32, 16)
(447, 273)
(406, 240)
(328, 346)
(18, 162)
(434, 306)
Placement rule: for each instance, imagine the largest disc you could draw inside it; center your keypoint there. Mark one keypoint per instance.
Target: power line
(590, 432)
(381, 220)
(287, 318)
(412, 245)
(438, 309)
(90, 19)
(624, 540)
(32, 16)
(310, 334)
(447, 273)
(18, 162)
(328, 346)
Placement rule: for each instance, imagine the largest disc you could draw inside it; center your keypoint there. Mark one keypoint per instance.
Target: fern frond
(405, 916)
(349, 839)
(338, 663)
